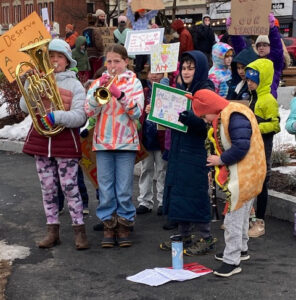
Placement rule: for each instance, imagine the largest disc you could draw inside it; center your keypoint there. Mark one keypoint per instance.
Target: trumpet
(103, 94)
(42, 86)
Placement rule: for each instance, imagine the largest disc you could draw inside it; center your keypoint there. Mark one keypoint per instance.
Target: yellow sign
(28, 31)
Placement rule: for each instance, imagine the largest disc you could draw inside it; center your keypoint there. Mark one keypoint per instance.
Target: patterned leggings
(50, 170)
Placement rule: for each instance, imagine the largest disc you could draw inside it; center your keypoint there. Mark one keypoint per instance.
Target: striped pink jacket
(116, 128)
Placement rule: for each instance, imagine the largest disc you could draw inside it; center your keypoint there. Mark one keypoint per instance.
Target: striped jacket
(116, 128)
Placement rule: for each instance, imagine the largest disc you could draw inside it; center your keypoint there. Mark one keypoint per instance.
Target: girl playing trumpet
(116, 141)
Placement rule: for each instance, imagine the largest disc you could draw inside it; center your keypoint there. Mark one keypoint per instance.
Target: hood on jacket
(80, 41)
(218, 52)
(245, 57)
(265, 68)
(177, 25)
(201, 70)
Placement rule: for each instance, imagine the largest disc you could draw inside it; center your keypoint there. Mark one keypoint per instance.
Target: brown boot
(80, 237)
(123, 232)
(52, 238)
(109, 233)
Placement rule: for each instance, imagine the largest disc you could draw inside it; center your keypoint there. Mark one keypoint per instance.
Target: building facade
(62, 12)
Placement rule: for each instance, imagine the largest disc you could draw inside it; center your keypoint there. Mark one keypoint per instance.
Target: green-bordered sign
(166, 105)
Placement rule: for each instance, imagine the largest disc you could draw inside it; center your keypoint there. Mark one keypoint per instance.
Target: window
(51, 11)
(90, 8)
(40, 9)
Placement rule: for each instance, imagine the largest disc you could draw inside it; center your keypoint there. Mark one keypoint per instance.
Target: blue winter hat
(253, 75)
(59, 45)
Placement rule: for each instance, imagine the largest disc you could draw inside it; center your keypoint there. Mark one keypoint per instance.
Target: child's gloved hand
(115, 91)
(183, 116)
(84, 133)
(271, 20)
(104, 79)
(228, 22)
(48, 121)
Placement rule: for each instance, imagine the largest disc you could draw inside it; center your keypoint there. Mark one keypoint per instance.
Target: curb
(281, 206)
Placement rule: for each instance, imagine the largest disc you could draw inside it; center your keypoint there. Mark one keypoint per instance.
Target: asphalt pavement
(65, 273)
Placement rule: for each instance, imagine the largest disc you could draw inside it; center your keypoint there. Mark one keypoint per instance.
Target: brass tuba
(102, 94)
(41, 86)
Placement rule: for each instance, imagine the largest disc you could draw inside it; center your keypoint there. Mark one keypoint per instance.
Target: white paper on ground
(159, 276)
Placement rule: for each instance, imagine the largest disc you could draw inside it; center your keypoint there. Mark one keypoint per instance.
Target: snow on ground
(3, 111)
(286, 170)
(16, 132)
(11, 252)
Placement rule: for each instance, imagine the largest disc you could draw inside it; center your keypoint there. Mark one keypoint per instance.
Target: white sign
(142, 41)
(164, 58)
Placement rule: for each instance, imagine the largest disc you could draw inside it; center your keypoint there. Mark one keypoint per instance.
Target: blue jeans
(115, 171)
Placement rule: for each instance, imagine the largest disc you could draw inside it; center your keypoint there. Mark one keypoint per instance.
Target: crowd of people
(234, 138)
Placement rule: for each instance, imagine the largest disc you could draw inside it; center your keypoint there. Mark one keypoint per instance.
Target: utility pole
(174, 10)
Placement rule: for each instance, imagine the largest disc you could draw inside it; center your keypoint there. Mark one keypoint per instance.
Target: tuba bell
(41, 86)
(102, 94)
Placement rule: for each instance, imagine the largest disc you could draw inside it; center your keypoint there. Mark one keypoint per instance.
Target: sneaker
(201, 247)
(159, 210)
(167, 246)
(257, 229)
(143, 210)
(226, 270)
(169, 225)
(244, 256)
(85, 211)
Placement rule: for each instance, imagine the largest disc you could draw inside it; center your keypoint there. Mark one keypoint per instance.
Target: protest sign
(151, 4)
(166, 105)
(253, 20)
(30, 30)
(142, 41)
(164, 58)
(107, 35)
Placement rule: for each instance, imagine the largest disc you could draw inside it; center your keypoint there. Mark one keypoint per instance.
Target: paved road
(64, 273)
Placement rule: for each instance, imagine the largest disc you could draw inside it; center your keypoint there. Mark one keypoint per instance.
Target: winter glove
(84, 133)
(48, 121)
(183, 116)
(104, 79)
(115, 91)
(271, 20)
(228, 22)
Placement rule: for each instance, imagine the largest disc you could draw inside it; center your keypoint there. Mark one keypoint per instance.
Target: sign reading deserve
(253, 20)
(30, 30)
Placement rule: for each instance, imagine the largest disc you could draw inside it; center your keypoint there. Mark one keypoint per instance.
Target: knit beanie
(122, 19)
(70, 27)
(177, 24)
(59, 45)
(262, 39)
(206, 102)
(253, 75)
(100, 12)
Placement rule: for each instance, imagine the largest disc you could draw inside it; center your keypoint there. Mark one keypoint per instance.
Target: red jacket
(185, 38)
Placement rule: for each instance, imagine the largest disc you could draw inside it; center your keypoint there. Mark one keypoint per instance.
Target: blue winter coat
(186, 187)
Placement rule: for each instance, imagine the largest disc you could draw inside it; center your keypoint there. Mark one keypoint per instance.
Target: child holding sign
(57, 157)
(186, 199)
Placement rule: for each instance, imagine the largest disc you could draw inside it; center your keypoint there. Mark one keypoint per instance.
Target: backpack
(88, 34)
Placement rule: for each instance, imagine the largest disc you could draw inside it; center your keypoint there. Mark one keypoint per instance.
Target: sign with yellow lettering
(28, 31)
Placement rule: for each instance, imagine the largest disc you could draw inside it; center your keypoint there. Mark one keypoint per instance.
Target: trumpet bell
(102, 95)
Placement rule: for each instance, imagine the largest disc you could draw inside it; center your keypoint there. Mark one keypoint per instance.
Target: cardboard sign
(88, 160)
(30, 30)
(166, 105)
(253, 20)
(107, 35)
(151, 4)
(142, 41)
(164, 58)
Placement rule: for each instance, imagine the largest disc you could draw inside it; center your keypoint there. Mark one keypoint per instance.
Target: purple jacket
(276, 55)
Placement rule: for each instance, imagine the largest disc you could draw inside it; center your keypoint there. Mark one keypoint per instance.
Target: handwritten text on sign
(141, 41)
(30, 30)
(164, 58)
(254, 20)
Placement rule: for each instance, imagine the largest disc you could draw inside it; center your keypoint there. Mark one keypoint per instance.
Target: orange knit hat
(206, 102)
(70, 27)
